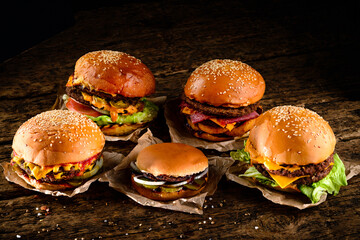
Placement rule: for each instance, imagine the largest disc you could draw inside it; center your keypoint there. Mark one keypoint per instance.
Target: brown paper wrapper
(180, 134)
(120, 179)
(296, 200)
(134, 136)
(111, 159)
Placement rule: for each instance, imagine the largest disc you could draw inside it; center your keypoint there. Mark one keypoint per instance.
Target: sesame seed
(54, 125)
(110, 57)
(296, 121)
(239, 75)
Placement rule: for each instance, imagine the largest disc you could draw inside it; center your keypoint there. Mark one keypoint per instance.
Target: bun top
(172, 159)
(291, 135)
(225, 83)
(57, 137)
(115, 73)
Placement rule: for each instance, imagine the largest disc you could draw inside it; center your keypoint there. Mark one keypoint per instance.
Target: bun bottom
(164, 196)
(120, 130)
(42, 186)
(210, 137)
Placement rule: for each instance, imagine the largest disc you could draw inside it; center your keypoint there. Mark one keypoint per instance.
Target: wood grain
(305, 54)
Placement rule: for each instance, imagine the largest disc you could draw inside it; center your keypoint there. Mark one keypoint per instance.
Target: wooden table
(303, 51)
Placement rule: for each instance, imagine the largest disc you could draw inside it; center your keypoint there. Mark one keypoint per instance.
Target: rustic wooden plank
(111, 214)
(304, 53)
(17, 111)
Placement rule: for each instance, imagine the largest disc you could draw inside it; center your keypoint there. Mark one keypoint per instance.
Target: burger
(57, 150)
(169, 171)
(109, 87)
(221, 100)
(292, 149)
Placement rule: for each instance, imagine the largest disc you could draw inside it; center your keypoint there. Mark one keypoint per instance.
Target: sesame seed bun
(58, 137)
(292, 136)
(172, 159)
(211, 137)
(115, 73)
(225, 83)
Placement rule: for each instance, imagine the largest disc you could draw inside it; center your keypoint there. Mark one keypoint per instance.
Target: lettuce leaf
(331, 183)
(149, 112)
(241, 155)
(252, 172)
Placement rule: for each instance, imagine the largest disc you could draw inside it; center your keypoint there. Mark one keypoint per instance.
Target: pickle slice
(149, 186)
(170, 190)
(75, 183)
(200, 181)
(119, 104)
(93, 171)
(196, 184)
(192, 186)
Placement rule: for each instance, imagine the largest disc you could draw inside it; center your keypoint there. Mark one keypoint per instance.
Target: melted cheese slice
(103, 104)
(189, 111)
(282, 181)
(41, 171)
(229, 126)
(70, 81)
(80, 80)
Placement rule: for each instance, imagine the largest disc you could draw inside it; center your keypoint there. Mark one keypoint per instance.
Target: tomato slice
(75, 106)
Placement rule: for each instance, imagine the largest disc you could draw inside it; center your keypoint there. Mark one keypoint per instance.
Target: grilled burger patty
(49, 178)
(223, 111)
(315, 172)
(168, 178)
(75, 93)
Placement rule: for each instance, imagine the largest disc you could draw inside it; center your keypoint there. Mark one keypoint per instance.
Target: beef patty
(315, 172)
(168, 178)
(49, 178)
(223, 111)
(75, 93)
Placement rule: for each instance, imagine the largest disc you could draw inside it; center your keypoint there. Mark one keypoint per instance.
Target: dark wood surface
(306, 53)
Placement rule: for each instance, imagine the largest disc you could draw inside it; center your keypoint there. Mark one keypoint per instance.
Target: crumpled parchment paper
(296, 200)
(119, 178)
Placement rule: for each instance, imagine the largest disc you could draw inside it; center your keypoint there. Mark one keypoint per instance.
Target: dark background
(307, 52)
(26, 23)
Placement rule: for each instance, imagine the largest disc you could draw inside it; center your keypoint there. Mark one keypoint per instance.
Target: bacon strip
(197, 117)
(238, 119)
